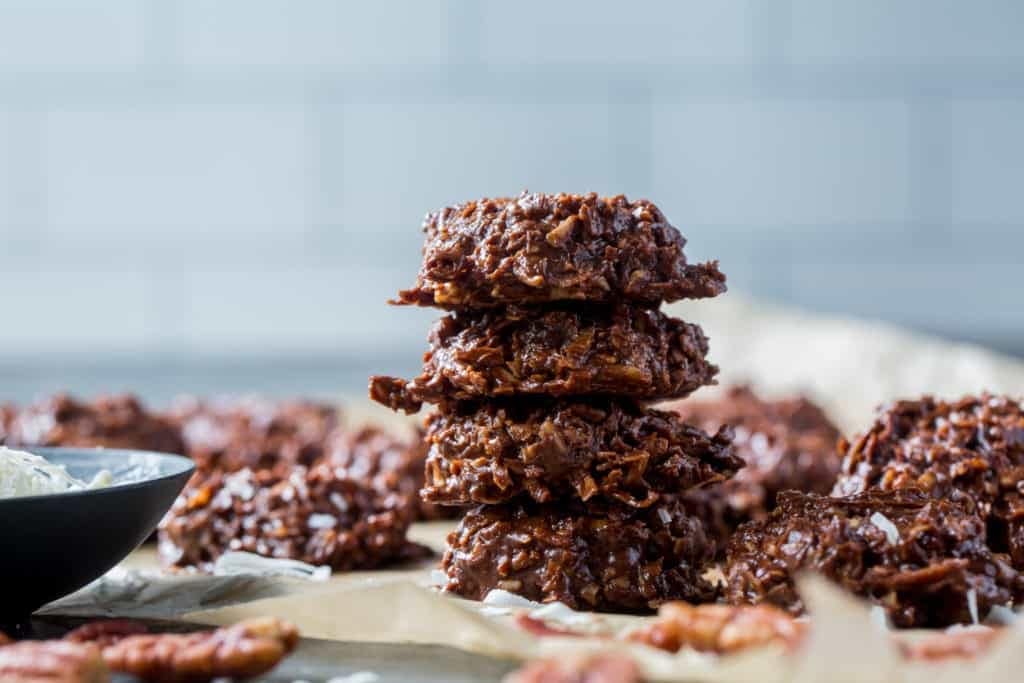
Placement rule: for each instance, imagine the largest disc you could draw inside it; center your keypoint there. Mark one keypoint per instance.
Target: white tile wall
(39, 36)
(80, 310)
(332, 310)
(330, 34)
(934, 296)
(778, 164)
(988, 162)
(913, 32)
(8, 172)
(220, 176)
(397, 160)
(188, 173)
(670, 32)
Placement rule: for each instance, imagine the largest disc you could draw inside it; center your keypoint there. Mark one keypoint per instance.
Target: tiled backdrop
(222, 193)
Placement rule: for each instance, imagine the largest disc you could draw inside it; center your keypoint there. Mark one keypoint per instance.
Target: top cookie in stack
(538, 248)
(553, 340)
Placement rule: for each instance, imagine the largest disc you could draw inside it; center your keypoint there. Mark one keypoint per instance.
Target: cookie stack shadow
(541, 374)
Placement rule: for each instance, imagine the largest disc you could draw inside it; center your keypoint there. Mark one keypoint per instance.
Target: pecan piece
(52, 661)
(247, 649)
(721, 629)
(961, 644)
(601, 668)
(104, 633)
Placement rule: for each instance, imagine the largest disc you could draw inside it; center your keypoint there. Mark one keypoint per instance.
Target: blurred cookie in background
(112, 421)
(787, 444)
(231, 434)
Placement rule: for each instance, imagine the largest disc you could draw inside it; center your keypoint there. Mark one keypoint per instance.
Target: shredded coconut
(879, 618)
(319, 520)
(502, 598)
(25, 474)
(972, 605)
(562, 613)
(886, 526)
(236, 563)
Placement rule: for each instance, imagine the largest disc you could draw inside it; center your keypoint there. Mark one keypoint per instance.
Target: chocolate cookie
(238, 433)
(313, 515)
(389, 462)
(108, 421)
(924, 560)
(538, 248)
(598, 449)
(601, 558)
(971, 450)
(561, 350)
(787, 444)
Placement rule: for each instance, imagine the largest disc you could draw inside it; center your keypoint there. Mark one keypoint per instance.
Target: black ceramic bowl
(53, 545)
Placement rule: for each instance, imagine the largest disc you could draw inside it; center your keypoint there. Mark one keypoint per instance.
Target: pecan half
(247, 649)
(720, 629)
(52, 661)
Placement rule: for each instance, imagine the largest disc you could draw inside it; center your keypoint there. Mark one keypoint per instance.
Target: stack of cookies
(540, 372)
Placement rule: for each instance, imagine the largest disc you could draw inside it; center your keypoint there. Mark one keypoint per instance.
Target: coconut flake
(236, 563)
(879, 618)
(240, 485)
(502, 598)
(438, 578)
(664, 516)
(972, 605)
(562, 613)
(318, 520)
(886, 526)
(339, 502)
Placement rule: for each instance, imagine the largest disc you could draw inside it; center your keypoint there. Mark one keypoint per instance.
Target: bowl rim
(186, 471)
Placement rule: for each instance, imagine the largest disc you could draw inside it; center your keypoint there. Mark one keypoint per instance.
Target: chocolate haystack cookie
(537, 248)
(390, 463)
(235, 434)
(561, 350)
(313, 515)
(601, 558)
(787, 444)
(108, 421)
(924, 560)
(597, 449)
(971, 450)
